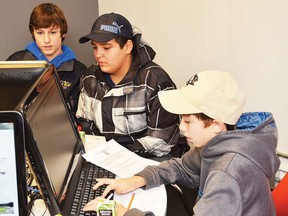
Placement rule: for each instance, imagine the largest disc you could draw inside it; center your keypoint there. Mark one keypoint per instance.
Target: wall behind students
(248, 38)
(14, 21)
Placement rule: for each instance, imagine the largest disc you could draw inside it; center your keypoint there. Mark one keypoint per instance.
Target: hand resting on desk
(120, 186)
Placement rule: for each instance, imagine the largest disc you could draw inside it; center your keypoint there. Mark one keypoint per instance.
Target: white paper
(91, 141)
(117, 159)
(154, 199)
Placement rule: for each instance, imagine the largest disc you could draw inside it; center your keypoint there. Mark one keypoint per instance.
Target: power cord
(33, 191)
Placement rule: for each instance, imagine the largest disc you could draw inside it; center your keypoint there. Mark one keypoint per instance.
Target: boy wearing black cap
(48, 27)
(118, 96)
(231, 166)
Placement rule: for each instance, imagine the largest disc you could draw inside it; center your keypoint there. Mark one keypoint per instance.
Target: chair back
(280, 197)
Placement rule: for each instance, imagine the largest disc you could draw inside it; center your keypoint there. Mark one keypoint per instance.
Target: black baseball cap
(107, 27)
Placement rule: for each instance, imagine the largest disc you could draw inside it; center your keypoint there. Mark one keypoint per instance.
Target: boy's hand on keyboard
(120, 186)
(92, 205)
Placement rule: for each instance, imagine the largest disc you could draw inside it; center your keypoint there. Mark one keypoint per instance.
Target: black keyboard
(84, 192)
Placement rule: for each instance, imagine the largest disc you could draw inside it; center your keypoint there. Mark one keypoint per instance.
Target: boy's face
(49, 41)
(111, 58)
(195, 132)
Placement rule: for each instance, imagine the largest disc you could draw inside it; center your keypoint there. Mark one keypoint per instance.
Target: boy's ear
(129, 46)
(63, 37)
(219, 126)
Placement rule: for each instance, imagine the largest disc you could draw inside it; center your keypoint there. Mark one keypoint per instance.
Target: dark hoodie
(69, 69)
(232, 171)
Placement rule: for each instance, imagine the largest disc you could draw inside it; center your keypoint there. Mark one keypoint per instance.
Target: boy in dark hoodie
(119, 93)
(48, 27)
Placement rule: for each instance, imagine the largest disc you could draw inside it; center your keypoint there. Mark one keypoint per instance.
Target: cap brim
(99, 37)
(174, 102)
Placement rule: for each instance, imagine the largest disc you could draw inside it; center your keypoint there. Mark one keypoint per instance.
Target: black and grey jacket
(130, 112)
(69, 74)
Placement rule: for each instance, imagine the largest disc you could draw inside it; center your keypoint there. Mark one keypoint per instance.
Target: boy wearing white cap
(234, 156)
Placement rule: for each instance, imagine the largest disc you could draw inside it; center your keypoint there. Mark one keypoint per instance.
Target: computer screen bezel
(17, 119)
(17, 78)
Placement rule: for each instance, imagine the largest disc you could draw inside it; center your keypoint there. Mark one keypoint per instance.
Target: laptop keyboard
(84, 192)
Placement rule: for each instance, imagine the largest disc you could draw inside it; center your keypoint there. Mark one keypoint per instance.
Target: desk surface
(154, 200)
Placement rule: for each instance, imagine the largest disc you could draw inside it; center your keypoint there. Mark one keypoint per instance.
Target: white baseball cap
(214, 93)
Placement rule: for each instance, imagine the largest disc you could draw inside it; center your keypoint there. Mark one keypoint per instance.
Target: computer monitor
(13, 188)
(16, 79)
(52, 136)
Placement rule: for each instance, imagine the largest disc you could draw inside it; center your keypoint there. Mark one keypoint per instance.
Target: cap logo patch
(192, 80)
(114, 28)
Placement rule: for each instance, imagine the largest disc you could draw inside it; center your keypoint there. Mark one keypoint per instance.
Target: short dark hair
(46, 15)
(208, 121)
(122, 41)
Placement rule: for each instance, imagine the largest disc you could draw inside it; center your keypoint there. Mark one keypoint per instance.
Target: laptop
(54, 148)
(13, 187)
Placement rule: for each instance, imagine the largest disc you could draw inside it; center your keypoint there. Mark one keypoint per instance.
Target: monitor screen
(55, 134)
(16, 79)
(13, 188)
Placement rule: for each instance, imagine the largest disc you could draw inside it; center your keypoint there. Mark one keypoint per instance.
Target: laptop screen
(55, 134)
(13, 188)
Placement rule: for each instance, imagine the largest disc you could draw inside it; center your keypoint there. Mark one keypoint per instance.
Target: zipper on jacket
(127, 113)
